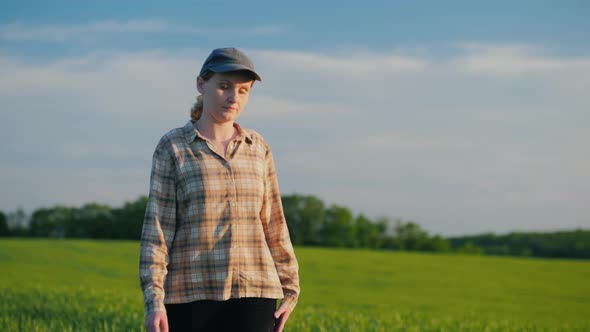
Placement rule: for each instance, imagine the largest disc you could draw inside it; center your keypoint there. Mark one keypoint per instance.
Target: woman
(215, 249)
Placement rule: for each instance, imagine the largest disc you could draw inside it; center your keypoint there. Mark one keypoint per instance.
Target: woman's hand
(156, 322)
(281, 315)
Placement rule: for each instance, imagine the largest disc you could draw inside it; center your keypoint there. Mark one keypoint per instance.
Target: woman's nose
(231, 96)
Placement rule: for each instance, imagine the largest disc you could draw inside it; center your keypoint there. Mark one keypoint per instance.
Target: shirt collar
(192, 133)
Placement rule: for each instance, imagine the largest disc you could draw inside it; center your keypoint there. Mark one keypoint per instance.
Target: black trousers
(250, 314)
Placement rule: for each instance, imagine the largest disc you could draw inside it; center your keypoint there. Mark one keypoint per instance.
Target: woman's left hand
(281, 315)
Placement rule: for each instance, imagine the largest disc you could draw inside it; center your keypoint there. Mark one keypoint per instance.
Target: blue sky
(465, 117)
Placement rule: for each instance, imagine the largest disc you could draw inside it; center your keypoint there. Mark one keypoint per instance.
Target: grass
(70, 285)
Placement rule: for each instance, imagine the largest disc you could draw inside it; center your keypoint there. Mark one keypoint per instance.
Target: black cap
(222, 60)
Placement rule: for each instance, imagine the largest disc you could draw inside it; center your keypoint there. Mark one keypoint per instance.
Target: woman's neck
(219, 132)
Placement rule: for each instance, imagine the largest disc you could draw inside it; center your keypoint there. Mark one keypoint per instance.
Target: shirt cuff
(290, 300)
(153, 306)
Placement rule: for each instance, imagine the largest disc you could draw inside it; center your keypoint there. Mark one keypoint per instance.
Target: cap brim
(233, 67)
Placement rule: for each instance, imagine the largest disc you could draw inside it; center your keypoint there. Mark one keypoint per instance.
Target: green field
(66, 285)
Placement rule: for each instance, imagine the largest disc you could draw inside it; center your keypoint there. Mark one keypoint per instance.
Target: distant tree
(562, 244)
(469, 248)
(18, 223)
(51, 222)
(366, 233)
(313, 212)
(128, 220)
(438, 244)
(94, 221)
(337, 229)
(382, 225)
(304, 215)
(4, 231)
(293, 217)
(309, 222)
(410, 235)
(90, 221)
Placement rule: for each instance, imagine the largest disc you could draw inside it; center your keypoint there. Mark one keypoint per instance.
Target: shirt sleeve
(159, 226)
(277, 235)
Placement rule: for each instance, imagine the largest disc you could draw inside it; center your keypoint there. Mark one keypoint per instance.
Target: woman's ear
(200, 82)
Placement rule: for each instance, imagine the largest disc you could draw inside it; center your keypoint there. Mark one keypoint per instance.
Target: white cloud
(62, 32)
(515, 59)
(345, 65)
(421, 137)
(18, 31)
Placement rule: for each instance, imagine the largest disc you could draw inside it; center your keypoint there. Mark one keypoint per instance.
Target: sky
(464, 117)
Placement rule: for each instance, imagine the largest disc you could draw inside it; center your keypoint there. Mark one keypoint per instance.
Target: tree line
(90, 221)
(560, 244)
(310, 222)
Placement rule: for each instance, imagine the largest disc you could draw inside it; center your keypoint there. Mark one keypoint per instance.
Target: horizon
(28, 214)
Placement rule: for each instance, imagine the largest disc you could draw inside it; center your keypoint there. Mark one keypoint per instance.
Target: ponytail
(197, 109)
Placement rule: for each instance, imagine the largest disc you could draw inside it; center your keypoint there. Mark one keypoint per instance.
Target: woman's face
(225, 95)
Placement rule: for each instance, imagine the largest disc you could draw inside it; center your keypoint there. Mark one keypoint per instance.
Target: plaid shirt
(214, 226)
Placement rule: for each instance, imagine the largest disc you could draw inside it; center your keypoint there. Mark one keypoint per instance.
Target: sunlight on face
(225, 95)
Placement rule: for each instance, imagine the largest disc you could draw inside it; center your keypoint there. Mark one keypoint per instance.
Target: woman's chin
(227, 117)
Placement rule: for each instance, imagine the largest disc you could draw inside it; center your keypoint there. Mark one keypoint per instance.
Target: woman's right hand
(156, 322)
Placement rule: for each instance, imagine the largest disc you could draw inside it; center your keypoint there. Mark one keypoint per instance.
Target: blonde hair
(197, 109)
